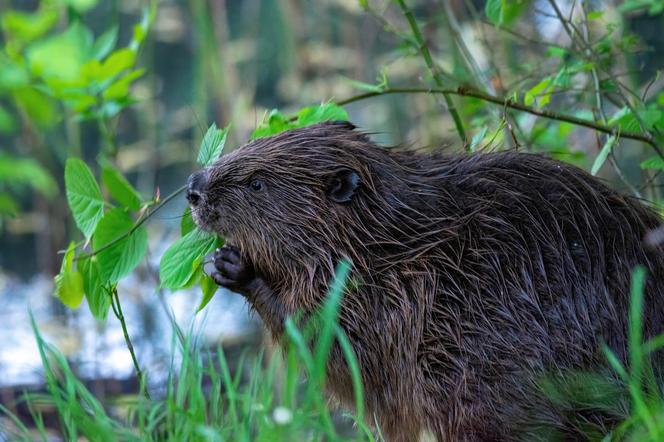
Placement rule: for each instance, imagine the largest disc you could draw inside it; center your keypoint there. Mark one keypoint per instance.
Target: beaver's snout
(195, 186)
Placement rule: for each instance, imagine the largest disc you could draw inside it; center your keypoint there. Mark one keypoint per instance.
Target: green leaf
(177, 264)
(555, 51)
(123, 256)
(83, 195)
(212, 145)
(8, 205)
(195, 277)
(141, 29)
(209, 288)
(70, 47)
(7, 122)
(653, 163)
(99, 300)
(505, 12)
(541, 93)
(27, 172)
(105, 43)
(81, 6)
(278, 122)
(39, 107)
(651, 116)
(25, 27)
(117, 62)
(493, 10)
(275, 123)
(318, 114)
(595, 15)
(635, 318)
(603, 154)
(120, 88)
(12, 75)
(187, 222)
(654, 6)
(120, 188)
(69, 282)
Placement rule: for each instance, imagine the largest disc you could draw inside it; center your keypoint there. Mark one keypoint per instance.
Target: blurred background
(231, 62)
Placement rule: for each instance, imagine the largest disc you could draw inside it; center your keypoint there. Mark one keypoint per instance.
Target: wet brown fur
(477, 273)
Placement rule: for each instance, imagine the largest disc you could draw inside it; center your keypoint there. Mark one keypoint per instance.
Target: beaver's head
(288, 197)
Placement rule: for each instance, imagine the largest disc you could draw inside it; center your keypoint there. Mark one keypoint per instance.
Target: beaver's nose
(195, 186)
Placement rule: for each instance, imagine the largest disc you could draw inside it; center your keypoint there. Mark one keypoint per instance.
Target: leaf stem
(435, 70)
(512, 104)
(117, 310)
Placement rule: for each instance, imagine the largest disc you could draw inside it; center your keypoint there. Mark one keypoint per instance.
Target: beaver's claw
(233, 271)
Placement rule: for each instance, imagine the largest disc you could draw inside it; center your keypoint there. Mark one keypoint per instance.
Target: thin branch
(551, 115)
(435, 70)
(135, 227)
(117, 310)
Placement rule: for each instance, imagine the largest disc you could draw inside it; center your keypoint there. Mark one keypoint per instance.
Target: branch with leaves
(513, 104)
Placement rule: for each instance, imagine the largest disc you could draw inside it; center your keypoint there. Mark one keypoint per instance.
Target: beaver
(477, 273)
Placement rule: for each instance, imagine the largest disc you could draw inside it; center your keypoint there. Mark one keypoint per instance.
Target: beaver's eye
(256, 185)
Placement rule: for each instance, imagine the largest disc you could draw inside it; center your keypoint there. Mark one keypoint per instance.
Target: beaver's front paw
(232, 270)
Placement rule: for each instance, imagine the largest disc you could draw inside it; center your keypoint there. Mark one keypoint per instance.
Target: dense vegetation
(577, 80)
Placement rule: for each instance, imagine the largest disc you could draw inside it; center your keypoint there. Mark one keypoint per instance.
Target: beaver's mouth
(211, 220)
(204, 218)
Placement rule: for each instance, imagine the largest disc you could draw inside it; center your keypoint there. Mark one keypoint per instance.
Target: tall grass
(644, 382)
(630, 394)
(204, 400)
(281, 398)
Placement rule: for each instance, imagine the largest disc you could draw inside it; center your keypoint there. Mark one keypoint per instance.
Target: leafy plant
(204, 400)
(115, 240)
(17, 175)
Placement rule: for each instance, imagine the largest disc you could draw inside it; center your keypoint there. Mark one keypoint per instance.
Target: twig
(507, 102)
(435, 70)
(138, 224)
(117, 310)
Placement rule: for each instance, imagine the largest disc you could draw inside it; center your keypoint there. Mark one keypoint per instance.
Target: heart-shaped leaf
(123, 256)
(83, 195)
(178, 263)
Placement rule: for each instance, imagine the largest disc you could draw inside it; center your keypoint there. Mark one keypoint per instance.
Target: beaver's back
(522, 268)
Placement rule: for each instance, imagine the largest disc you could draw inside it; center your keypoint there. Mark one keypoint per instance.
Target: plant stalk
(512, 104)
(117, 310)
(435, 70)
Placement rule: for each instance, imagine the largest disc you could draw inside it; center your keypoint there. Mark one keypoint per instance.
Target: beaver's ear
(340, 124)
(342, 184)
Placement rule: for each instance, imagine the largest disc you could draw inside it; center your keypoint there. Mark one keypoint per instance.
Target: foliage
(89, 77)
(203, 400)
(17, 174)
(277, 122)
